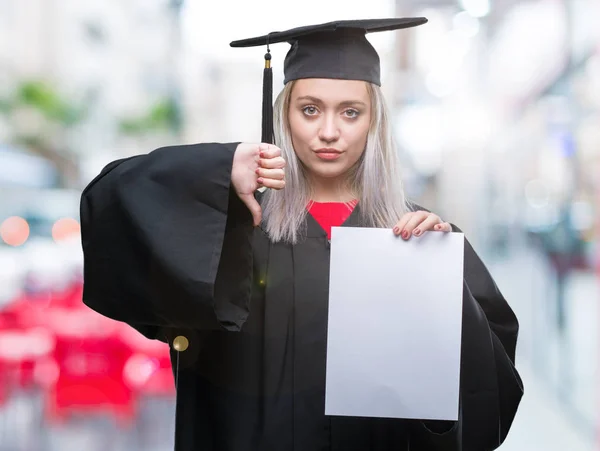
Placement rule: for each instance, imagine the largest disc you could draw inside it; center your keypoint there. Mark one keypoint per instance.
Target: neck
(330, 190)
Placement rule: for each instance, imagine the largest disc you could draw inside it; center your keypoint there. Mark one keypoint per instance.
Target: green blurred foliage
(48, 138)
(46, 100)
(163, 116)
(42, 97)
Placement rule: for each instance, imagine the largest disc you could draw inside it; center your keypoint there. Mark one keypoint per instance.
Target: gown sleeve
(167, 242)
(490, 388)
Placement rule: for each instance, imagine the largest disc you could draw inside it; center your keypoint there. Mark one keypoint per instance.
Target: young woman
(182, 245)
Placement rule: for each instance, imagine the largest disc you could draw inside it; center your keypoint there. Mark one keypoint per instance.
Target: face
(329, 123)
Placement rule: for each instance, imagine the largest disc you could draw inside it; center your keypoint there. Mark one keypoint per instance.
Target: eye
(351, 113)
(310, 110)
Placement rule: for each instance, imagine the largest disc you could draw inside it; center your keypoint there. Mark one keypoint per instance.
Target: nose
(329, 130)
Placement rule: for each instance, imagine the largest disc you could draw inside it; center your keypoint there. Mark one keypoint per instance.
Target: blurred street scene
(496, 109)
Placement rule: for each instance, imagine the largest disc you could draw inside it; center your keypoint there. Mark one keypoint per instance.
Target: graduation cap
(338, 50)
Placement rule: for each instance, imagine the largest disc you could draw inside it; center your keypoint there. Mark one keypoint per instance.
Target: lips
(328, 150)
(328, 154)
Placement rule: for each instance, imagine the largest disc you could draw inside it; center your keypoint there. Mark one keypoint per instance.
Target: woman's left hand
(418, 222)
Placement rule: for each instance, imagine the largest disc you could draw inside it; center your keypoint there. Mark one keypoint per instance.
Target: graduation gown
(170, 250)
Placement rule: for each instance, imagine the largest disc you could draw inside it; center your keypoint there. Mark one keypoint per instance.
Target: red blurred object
(148, 370)
(20, 350)
(70, 297)
(90, 359)
(4, 382)
(30, 309)
(84, 362)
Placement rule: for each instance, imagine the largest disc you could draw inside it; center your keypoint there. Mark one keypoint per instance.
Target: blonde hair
(375, 179)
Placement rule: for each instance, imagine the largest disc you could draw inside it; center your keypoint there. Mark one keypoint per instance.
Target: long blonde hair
(375, 179)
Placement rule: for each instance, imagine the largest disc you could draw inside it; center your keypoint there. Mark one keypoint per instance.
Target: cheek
(301, 132)
(357, 137)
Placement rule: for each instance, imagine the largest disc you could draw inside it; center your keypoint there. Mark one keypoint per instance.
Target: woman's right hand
(254, 166)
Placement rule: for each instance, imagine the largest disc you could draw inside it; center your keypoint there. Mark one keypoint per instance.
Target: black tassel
(267, 106)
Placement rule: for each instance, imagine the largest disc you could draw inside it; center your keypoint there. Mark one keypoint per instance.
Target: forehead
(330, 90)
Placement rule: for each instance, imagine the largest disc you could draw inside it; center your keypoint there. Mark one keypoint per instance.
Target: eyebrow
(344, 103)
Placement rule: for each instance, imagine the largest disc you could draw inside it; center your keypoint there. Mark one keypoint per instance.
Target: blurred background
(496, 109)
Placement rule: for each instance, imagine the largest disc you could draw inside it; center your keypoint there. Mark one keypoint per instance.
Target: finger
(408, 222)
(443, 227)
(428, 224)
(270, 183)
(413, 223)
(269, 151)
(253, 206)
(272, 163)
(403, 221)
(277, 174)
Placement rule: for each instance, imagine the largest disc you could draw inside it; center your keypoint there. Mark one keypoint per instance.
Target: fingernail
(417, 232)
(405, 234)
(438, 227)
(262, 153)
(260, 180)
(396, 230)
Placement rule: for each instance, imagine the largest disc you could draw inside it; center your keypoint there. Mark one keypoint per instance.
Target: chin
(329, 171)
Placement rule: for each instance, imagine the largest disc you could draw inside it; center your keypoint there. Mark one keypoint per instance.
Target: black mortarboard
(337, 50)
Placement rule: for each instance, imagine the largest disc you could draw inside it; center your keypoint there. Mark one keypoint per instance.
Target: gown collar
(313, 229)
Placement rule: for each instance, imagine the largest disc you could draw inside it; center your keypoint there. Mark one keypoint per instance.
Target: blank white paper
(395, 320)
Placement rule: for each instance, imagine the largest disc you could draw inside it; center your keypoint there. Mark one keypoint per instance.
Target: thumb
(253, 206)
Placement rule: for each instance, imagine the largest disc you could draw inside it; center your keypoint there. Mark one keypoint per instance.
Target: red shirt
(331, 214)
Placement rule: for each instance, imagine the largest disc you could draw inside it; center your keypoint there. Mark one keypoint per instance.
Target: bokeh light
(14, 231)
(65, 228)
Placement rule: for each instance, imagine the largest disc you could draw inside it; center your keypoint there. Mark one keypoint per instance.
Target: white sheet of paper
(395, 320)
